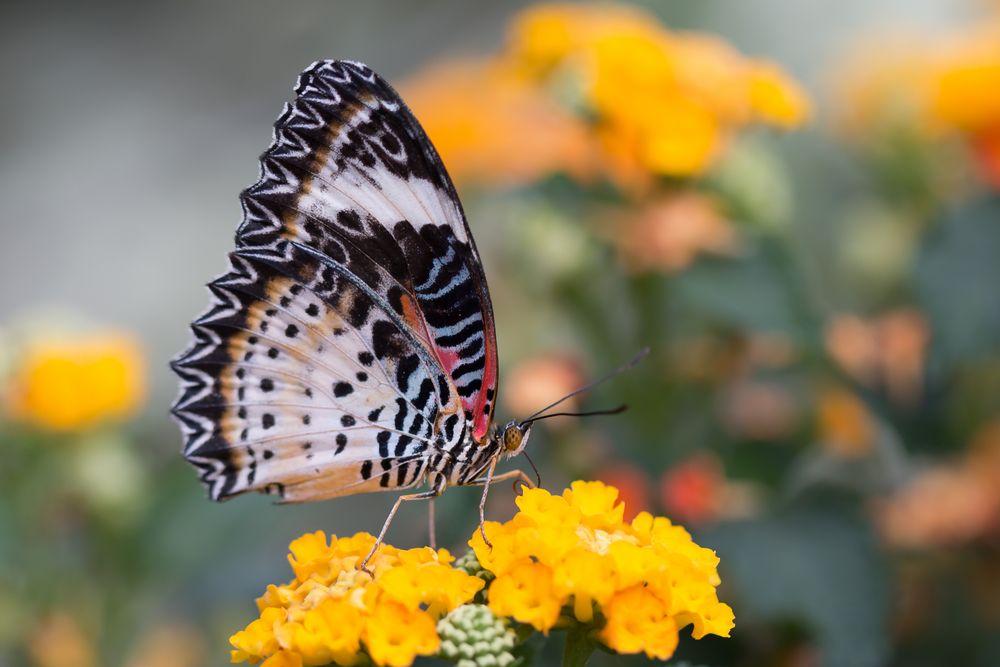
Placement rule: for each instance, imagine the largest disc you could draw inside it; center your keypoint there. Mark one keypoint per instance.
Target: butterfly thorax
(469, 463)
(463, 463)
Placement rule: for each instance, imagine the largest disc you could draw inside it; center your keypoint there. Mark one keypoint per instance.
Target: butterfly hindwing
(351, 342)
(283, 387)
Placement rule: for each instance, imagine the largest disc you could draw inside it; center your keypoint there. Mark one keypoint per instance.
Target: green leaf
(815, 566)
(751, 292)
(579, 646)
(957, 278)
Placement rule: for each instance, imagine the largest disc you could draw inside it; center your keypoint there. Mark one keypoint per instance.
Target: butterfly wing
(353, 336)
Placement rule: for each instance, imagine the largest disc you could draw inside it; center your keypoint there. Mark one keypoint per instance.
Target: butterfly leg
(423, 495)
(513, 474)
(488, 480)
(482, 502)
(431, 526)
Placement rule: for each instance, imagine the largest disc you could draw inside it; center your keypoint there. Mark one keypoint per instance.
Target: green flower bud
(471, 636)
(469, 564)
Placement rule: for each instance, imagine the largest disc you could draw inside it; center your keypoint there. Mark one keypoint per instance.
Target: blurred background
(795, 205)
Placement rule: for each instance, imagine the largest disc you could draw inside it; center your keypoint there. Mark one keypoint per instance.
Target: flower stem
(579, 646)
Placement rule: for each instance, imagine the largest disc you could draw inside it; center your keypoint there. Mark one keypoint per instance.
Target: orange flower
(671, 232)
(845, 427)
(983, 457)
(942, 506)
(775, 98)
(581, 86)
(534, 383)
(948, 503)
(887, 351)
(59, 641)
(692, 489)
(966, 89)
(74, 382)
(543, 37)
(930, 86)
(493, 128)
(170, 645)
(633, 487)
(986, 147)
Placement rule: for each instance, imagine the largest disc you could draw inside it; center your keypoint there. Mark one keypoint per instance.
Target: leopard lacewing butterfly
(350, 347)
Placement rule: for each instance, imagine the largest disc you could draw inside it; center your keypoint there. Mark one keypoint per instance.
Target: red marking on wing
(484, 416)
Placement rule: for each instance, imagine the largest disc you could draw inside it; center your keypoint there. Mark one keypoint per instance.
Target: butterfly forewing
(350, 347)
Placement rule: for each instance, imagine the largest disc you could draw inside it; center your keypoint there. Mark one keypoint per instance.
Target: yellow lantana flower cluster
(665, 102)
(932, 85)
(583, 88)
(72, 382)
(332, 611)
(573, 558)
(966, 86)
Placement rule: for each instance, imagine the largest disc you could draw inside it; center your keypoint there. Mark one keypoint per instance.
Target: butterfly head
(513, 437)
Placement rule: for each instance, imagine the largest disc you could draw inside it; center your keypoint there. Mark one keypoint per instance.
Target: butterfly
(351, 346)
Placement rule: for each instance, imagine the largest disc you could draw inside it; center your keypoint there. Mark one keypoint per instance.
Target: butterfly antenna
(538, 476)
(590, 385)
(590, 413)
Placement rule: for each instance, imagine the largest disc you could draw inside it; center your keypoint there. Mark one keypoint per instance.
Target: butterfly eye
(512, 438)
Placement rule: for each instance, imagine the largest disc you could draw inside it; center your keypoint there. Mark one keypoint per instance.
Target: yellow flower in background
(577, 86)
(931, 85)
(170, 645)
(776, 99)
(542, 37)
(846, 427)
(665, 103)
(966, 87)
(74, 382)
(59, 641)
(966, 94)
(332, 611)
(564, 558)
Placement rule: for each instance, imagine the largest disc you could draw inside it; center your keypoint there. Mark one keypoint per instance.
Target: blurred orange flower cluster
(948, 504)
(695, 490)
(534, 383)
(670, 232)
(58, 641)
(491, 127)
(966, 93)
(72, 382)
(845, 426)
(934, 86)
(583, 89)
(887, 351)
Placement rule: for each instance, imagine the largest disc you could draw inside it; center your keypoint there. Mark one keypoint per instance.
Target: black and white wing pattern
(350, 347)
